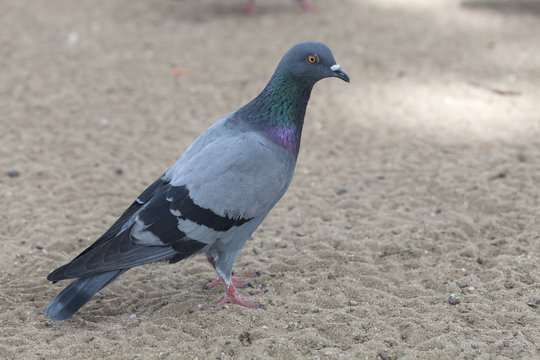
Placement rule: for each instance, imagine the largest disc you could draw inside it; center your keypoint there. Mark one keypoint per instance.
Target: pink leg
(249, 7)
(306, 5)
(231, 296)
(233, 279)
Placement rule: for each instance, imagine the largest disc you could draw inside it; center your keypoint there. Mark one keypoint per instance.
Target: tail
(78, 293)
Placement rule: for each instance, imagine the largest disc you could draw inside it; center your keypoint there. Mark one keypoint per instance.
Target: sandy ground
(416, 181)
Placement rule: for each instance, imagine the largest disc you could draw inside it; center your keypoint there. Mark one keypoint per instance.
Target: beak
(339, 73)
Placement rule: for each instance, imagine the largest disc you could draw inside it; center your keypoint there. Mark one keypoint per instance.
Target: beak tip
(343, 76)
(339, 73)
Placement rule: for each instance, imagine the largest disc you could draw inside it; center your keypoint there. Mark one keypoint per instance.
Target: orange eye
(312, 59)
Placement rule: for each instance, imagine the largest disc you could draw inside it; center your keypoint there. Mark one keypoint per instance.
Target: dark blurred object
(249, 6)
(13, 173)
(531, 7)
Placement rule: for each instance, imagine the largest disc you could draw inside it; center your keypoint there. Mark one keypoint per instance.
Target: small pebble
(245, 338)
(39, 247)
(13, 173)
(119, 171)
(133, 316)
(341, 191)
(508, 284)
(331, 276)
(326, 217)
(73, 38)
(453, 299)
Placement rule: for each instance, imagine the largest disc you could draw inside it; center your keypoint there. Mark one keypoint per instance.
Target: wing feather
(219, 185)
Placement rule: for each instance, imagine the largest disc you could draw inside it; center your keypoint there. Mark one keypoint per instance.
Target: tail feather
(78, 293)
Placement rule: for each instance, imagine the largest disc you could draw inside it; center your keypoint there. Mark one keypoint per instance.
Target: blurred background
(417, 180)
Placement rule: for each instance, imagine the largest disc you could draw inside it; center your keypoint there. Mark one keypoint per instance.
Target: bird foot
(232, 297)
(249, 7)
(234, 282)
(306, 5)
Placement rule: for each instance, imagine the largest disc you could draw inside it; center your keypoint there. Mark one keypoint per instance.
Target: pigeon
(215, 195)
(249, 6)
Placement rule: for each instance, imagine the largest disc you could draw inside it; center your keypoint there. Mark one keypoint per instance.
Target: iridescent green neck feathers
(279, 110)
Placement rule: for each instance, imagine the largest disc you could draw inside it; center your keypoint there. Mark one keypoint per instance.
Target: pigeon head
(279, 110)
(309, 62)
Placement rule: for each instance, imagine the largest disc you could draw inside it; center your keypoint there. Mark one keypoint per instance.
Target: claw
(211, 284)
(231, 296)
(234, 282)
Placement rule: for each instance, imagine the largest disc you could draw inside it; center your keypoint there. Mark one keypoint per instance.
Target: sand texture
(418, 180)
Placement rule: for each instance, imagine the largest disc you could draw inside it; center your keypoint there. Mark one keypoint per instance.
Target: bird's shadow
(506, 7)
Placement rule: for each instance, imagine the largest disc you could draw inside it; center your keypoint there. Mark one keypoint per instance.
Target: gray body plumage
(211, 200)
(244, 176)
